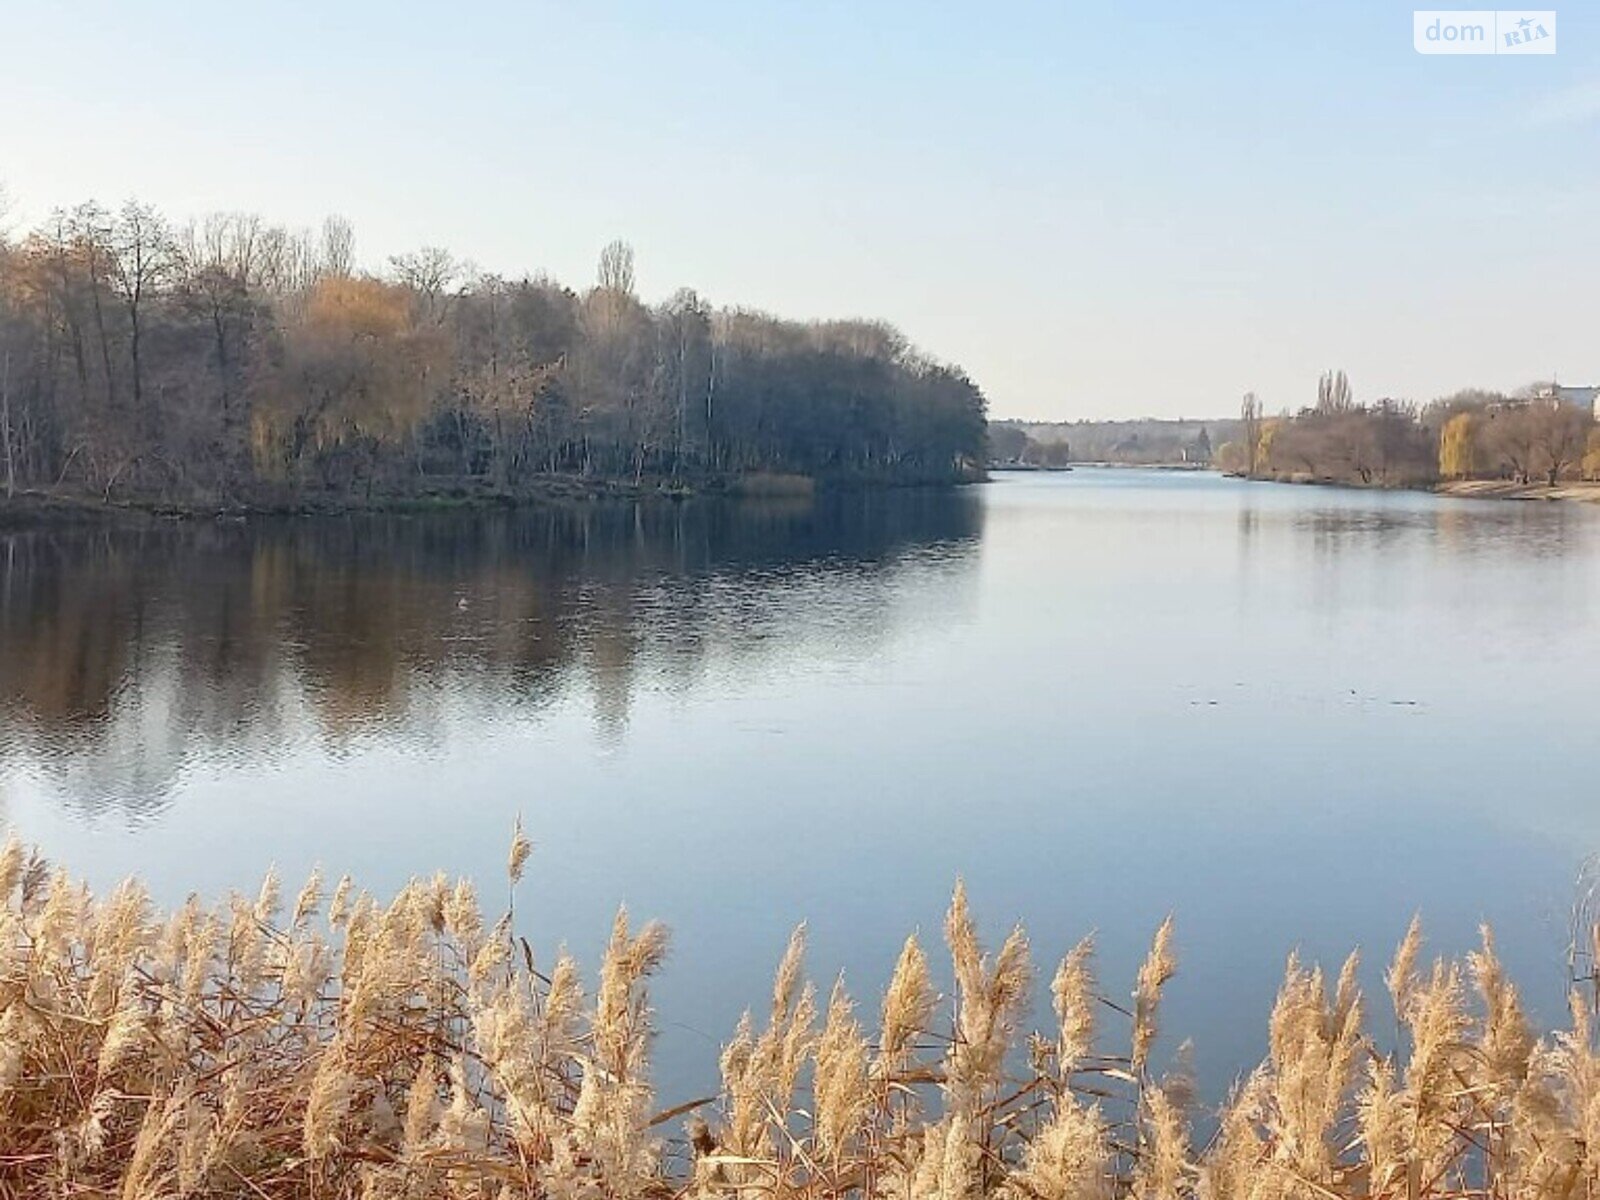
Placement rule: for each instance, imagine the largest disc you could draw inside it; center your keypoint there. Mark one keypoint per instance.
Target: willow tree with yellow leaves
(356, 380)
(1459, 451)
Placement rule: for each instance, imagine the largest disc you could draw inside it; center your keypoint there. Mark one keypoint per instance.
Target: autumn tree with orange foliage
(357, 375)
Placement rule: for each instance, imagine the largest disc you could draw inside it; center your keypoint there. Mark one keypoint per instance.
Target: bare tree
(222, 261)
(1333, 394)
(1561, 434)
(231, 243)
(429, 273)
(291, 265)
(1512, 437)
(338, 247)
(1250, 423)
(141, 260)
(687, 324)
(616, 268)
(90, 233)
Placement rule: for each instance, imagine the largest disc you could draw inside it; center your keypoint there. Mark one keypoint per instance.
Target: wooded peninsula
(233, 363)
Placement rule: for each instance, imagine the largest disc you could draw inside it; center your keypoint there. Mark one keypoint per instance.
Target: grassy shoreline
(44, 509)
(41, 509)
(335, 1046)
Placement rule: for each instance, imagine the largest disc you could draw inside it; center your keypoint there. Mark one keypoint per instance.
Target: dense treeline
(236, 361)
(1534, 435)
(1145, 441)
(1526, 438)
(1010, 445)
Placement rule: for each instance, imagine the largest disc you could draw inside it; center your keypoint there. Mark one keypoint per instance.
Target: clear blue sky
(1116, 209)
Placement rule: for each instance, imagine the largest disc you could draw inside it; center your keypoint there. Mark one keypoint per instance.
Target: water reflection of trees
(1459, 527)
(125, 654)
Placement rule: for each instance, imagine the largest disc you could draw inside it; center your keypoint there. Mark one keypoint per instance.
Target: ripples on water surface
(1292, 716)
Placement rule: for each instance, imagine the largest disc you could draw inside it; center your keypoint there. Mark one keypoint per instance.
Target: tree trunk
(219, 329)
(105, 340)
(138, 376)
(5, 426)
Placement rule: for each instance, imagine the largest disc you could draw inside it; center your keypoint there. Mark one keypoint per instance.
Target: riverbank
(1582, 491)
(33, 508)
(30, 509)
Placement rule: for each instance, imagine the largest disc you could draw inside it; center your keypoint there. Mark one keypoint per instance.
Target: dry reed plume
(339, 1047)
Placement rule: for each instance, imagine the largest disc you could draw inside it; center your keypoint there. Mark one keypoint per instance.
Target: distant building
(1585, 398)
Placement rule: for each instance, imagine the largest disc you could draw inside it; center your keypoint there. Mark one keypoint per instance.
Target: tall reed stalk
(342, 1047)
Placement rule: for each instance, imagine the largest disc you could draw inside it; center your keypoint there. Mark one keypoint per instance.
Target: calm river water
(1290, 716)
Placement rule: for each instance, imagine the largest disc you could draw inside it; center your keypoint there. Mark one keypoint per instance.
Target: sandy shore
(1501, 489)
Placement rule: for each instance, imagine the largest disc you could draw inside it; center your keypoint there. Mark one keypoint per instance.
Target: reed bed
(329, 1046)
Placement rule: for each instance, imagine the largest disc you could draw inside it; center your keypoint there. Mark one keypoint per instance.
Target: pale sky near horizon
(1117, 210)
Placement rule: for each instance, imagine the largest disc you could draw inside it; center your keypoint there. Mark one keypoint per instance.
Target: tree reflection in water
(126, 654)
